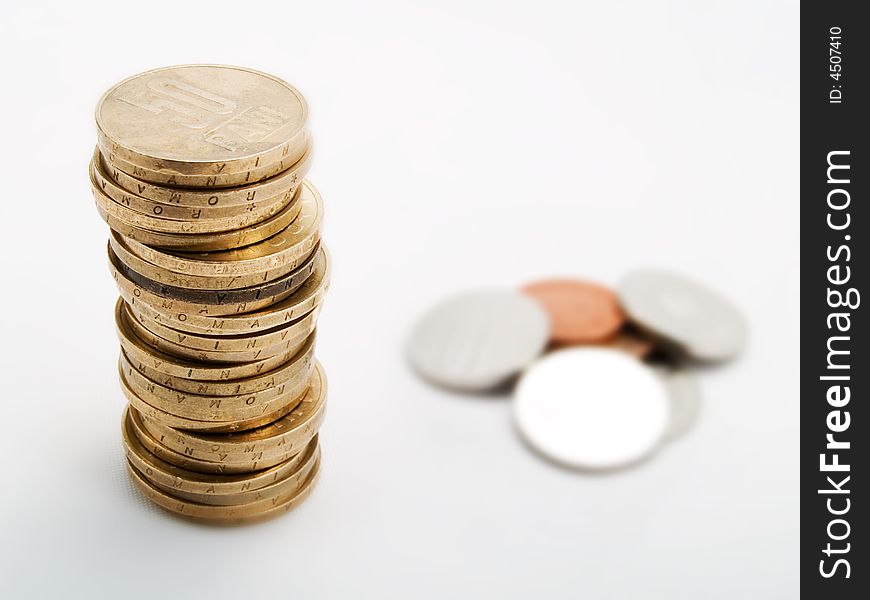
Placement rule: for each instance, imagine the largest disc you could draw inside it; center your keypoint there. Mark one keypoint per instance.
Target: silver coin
(591, 408)
(685, 397)
(477, 341)
(685, 313)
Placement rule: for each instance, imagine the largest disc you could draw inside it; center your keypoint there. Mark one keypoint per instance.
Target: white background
(458, 146)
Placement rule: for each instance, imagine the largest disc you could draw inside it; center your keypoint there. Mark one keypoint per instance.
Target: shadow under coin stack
(215, 248)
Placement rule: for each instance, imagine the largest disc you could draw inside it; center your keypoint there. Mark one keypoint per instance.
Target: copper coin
(580, 312)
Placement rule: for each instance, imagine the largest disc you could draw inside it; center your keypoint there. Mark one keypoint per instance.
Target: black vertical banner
(834, 370)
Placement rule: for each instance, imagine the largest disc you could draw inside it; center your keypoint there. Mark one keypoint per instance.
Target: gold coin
(289, 245)
(293, 331)
(213, 408)
(119, 246)
(167, 277)
(289, 284)
(243, 513)
(282, 374)
(228, 463)
(139, 350)
(285, 436)
(131, 292)
(184, 219)
(292, 481)
(218, 463)
(222, 180)
(202, 120)
(148, 411)
(123, 220)
(235, 198)
(179, 321)
(238, 465)
(220, 356)
(195, 318)
(167, 474)
(185, 462)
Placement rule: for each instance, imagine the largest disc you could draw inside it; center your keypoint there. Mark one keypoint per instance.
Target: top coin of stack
(215, 248)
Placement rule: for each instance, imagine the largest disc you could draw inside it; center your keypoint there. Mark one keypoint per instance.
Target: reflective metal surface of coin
(240, 513)
(215, 282)
(182, 461)
(283, 373)
(477, 341)
(139, 351)
(210, 408)
(285, 436)
(158, 470)
(222, 180)
(201, 120)
(197, 317)
(290, 245)
(215, 249)
(685, 397)
(184, 219)
(591, 408)
(699, 321)
(148, 411)
(580, 312)
(293, 332)
(292, 481)
(235, 198)
(286, 284)
(129, 223)
(227, 357)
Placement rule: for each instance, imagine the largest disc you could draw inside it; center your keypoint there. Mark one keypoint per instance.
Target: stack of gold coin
(215, 248)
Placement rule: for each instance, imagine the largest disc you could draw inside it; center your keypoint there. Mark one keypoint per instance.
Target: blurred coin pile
(215, 248)
(602, 378)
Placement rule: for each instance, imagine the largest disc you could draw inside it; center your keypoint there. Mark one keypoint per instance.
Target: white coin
(591, 408)
(700, 321)
(685, 396)
(477, 341)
